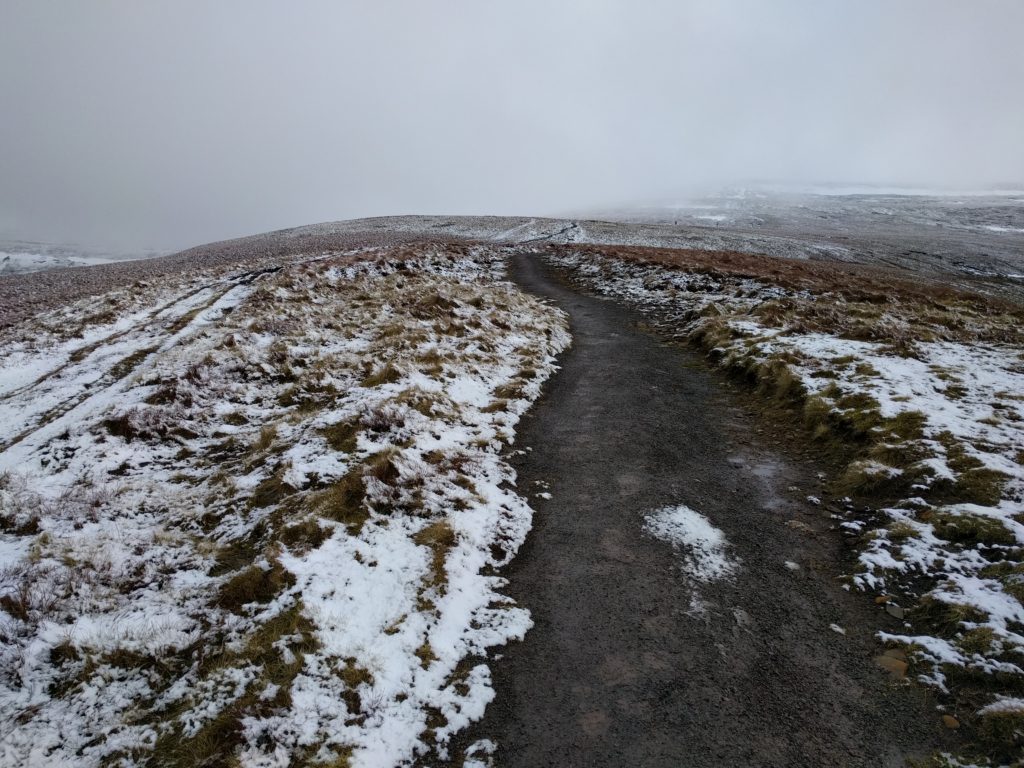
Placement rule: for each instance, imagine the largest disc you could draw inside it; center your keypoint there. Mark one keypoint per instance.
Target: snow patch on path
(704, 547)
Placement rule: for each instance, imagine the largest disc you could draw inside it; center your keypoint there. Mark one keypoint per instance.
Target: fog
(166, 124)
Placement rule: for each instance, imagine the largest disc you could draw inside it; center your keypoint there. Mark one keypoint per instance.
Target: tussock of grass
(271, 491)
(971, 529)
(341, 436)
(344, 502)
(425, 653)
(1002, 734)
(946, 618)
(254, 585)
(901, 531)
(266, 438)
(440, 537)
(238, 553)
(382, 466)
(978, 640)
(303, 536)
(866, 478)
(386, 374)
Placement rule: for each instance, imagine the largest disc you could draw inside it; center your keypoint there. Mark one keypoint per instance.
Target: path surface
(620, 670)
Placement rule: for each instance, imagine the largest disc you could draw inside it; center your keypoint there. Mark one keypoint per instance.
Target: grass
(385, 374)
(254, 585)
(271, 490)
(970, 530)
(265, 439)
(425, 653)
(233, 510)
(439, 537)
(342, 437)
(1002, 735)
(945, 618)
(303, 536)
(217, 741)
(344, 501)
(126, 365)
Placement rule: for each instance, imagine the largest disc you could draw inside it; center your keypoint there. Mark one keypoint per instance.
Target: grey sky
(171, 123)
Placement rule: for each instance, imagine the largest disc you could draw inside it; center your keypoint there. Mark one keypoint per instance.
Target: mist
(160, 124)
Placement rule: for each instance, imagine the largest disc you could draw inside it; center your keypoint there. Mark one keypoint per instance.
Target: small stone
(882, 599)
(950, 722)
(791, 565)
(797, 525)
(894, 667)
(895, 611)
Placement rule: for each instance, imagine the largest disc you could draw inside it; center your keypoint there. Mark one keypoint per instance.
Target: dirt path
(620, 669)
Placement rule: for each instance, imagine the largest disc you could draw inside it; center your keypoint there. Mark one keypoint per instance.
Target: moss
(254, 585)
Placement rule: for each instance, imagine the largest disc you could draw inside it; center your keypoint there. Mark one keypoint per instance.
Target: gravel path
(634, 662)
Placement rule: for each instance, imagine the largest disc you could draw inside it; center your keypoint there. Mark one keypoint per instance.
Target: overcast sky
(167, 124)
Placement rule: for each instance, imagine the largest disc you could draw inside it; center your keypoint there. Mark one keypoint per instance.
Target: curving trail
(635, 662)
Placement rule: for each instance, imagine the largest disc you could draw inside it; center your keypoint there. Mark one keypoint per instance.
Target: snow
(1003, 705)
(120, 536)
(704, 547)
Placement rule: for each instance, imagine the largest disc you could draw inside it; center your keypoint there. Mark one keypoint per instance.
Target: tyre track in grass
(634, 662)
(97, 376)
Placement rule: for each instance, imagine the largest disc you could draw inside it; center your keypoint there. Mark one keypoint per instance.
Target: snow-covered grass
(260, 518)
(925, 396)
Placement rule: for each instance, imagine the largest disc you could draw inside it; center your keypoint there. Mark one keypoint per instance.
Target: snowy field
(20, 256)
(934, 396)
(263, 514)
